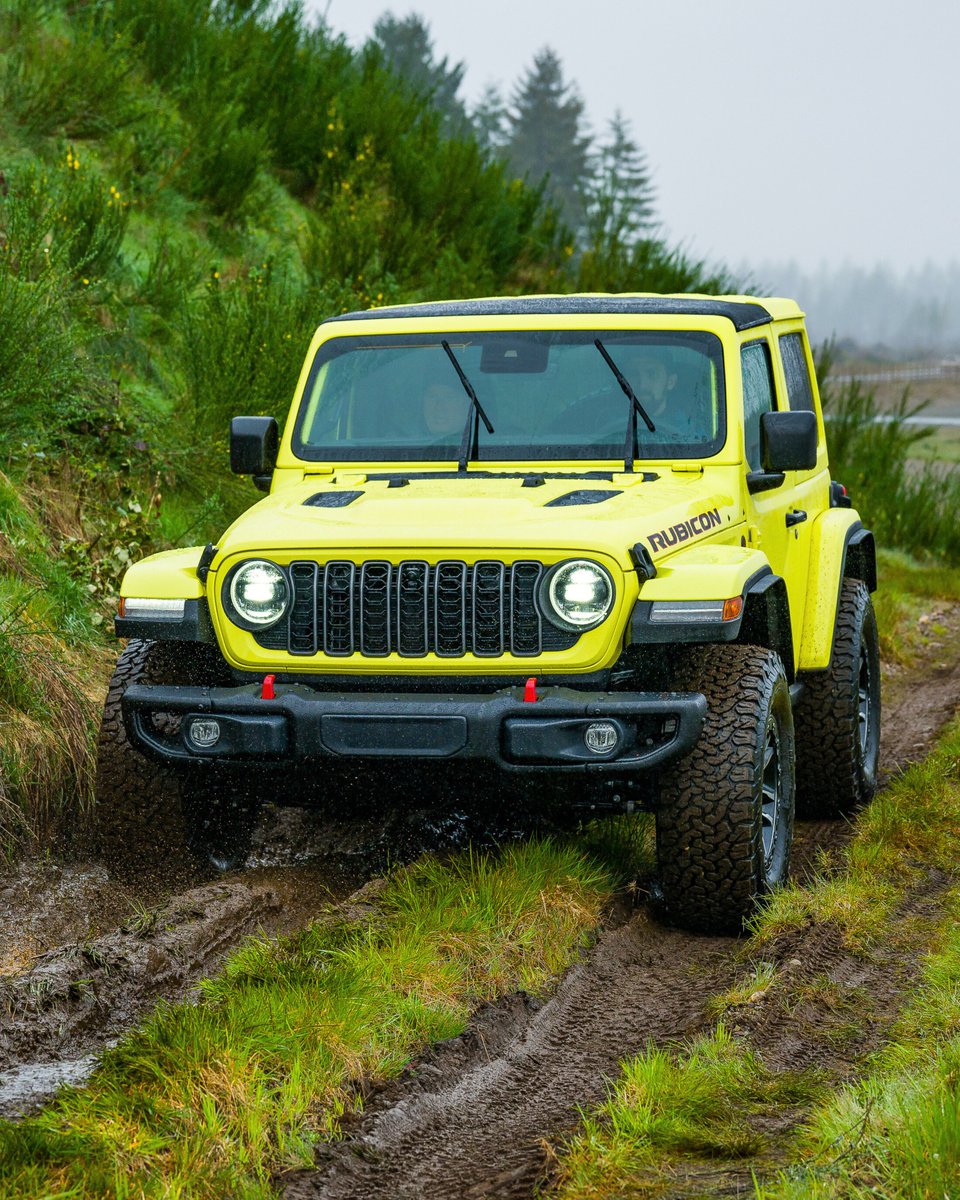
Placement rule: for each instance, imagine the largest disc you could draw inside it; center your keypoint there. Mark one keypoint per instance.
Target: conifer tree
(489, 118)
(620, 196)
(546, 135)
(408, 48)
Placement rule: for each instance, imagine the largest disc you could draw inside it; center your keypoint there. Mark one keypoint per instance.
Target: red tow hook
(268, 693)
(530, 691)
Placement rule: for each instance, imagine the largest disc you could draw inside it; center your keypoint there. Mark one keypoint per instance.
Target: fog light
(204, 733)
(601, 737)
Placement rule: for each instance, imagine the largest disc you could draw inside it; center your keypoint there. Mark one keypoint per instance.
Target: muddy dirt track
(477, 1117)
(83, 958)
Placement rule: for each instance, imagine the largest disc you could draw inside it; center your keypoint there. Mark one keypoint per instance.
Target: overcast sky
(823, 133)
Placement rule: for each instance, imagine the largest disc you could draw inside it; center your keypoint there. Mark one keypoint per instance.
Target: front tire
(725, 817)
(838, 716)
(152, 822)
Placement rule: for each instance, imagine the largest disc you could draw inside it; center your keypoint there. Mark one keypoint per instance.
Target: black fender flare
(766, 618)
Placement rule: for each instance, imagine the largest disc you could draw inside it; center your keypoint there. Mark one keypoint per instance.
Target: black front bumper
(499, 727)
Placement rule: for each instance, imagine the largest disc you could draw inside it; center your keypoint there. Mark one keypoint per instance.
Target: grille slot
(336, 615)
(413, 609)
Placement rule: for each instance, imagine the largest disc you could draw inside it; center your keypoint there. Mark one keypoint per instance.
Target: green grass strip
(665, 1106)
(911, 827)
(210, 1099)
(895, 1133)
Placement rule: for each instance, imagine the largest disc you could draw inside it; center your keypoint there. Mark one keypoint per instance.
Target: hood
(480, 512)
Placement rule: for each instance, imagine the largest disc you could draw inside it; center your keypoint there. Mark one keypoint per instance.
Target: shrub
(241, 346)
(907, 504)
(42, 369)
(64, 217)
(71, 83)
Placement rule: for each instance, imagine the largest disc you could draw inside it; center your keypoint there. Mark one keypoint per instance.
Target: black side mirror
(788, 441)
(254, 442)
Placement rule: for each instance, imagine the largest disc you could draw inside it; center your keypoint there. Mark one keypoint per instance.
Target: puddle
(25, 1088)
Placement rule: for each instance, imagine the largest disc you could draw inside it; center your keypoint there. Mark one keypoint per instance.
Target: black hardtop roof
(745, 314)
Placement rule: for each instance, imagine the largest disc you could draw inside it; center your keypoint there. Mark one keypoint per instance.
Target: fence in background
(950, 369)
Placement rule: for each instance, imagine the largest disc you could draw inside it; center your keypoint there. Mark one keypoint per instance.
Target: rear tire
(838, 716)
(725, 818)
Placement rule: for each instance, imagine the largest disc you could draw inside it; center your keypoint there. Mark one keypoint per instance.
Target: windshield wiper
(630, 448)
(474, 413)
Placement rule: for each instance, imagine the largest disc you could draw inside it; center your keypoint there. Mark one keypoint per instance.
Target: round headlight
(579, 594)
(259, 593)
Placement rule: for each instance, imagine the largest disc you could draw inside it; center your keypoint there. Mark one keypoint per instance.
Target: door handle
(797, 517)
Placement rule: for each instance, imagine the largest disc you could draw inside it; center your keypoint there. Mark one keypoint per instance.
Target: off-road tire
(713, 809)
(147, 815)
(837, 744)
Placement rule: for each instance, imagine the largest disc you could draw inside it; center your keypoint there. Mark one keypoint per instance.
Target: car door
(777, 523)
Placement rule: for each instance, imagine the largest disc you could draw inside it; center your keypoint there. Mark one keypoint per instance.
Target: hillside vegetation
(187, 188)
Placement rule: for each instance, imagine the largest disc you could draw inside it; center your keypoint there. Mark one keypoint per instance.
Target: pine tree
(489, 118)
(408, 48)
(620, 196)
(547, 139)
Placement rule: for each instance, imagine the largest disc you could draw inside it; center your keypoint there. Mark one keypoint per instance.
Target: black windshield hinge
(645, 566)
(206, 558)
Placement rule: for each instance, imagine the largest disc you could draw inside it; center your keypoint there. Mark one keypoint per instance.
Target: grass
(906, 585)
(941, 446)
(751, 988)
(894, 1133)
(704, 1102)
(909, 505)
(216, 1098)
(911, 827)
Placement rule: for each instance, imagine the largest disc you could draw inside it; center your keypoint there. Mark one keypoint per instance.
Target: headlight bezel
(546, 595)
(228, 596)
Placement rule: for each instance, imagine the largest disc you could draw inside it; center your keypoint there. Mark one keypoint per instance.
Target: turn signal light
(732, 608)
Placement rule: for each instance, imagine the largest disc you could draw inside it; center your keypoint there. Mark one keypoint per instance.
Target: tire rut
(470, 1118)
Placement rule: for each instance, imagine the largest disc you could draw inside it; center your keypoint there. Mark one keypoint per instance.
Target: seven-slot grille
(413, 609)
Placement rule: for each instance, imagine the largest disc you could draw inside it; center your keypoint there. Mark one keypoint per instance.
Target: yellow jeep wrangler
(585, 541)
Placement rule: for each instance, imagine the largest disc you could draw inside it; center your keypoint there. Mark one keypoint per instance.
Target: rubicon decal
(701, 523)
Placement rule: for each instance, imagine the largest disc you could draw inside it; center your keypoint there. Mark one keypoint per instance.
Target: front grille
(413, 609)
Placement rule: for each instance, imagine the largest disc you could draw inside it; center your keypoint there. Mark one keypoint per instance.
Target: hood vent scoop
(582, 496)
(331, 499)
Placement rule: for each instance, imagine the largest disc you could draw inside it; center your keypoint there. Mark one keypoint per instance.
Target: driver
(444, 409)
(654, 380)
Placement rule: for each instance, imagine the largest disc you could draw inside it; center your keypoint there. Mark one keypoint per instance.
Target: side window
(799, 389)
(758, 397)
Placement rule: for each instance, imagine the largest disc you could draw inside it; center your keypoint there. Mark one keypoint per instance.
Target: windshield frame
(707, 341)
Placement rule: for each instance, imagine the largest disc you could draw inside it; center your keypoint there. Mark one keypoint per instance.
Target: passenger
(653, 377)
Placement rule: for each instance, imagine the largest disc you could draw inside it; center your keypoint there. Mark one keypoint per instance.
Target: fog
(823, 136)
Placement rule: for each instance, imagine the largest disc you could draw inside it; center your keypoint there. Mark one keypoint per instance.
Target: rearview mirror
(788, 441)
(254, 442)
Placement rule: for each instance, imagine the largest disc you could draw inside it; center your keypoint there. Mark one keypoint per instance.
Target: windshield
(549, 395)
